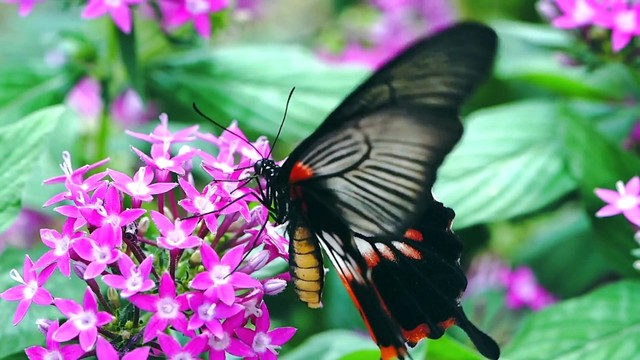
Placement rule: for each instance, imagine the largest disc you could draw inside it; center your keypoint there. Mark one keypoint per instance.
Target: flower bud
(274, 286)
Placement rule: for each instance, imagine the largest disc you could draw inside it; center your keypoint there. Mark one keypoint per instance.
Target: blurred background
(547, 278)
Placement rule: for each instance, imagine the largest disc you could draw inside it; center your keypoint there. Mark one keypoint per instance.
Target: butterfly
(360, 188)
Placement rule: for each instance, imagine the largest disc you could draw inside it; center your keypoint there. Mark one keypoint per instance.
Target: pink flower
(162, 135)
(624, 21)
(140, 187)
(179, 12)
(105, 351)
(228, 341)
(523, 290)
(30, 288)
(118, 9)
(24, 6)
(191, 350)
(625, 200)
(128, 109)
(577, 13)
(85, 98)
(100, 250)
(176, 234)
(208, 311)
(83, 320)
(221, 279)
(167, 308)
(60, 244)
(265, 343)
(53, 348)
(134, 279)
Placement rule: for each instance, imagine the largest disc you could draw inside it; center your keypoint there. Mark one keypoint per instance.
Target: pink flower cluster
(174, 12)
(399, 24)
(621, 17)
(624, 200)
(161, 255)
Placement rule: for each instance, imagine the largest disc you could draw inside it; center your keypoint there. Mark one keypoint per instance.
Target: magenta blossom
(30, 288)
(140, 187)
(174, 351)
(53, 349)
(221, 279)
(626, 200)
(105, 351)
(134, 279)
(86, 99)
(167, 308)
(577, 13)
(265, 343)
(118, 9)
(128, 109)
(176, 234)
(523, 290)
(228, 342)
(208, 311)
(60, 244)
(624, 21)
(178, 12)
(24, 6)
(99, 250)
(83, 320)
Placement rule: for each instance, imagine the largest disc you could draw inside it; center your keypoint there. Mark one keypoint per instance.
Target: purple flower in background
(84, 320)
(625, 200)
(624, 21)
(23, 233)
(118, 9)
(86, 99)
(178, 12)
(24, 6)
(30, 288)
(129, 110)
(523, 290)
(53, 349)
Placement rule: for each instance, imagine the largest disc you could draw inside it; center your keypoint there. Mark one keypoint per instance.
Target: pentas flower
(30, 288)
(53, 349)
(576, 13)
(623, 19)
(178, 12)
(24, 6)
(83, 322)
(168, 270)
(523, 290)
(118, 9)
(86, 99)
(265, 343)
(128, 109)
(626, 200)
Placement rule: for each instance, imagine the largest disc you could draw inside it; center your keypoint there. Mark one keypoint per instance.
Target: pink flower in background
(23, 233)
(624, 21)
(118, 9)
(129, 110)
(24, 6)
(86, 99)
(523, 290)
(576, 13)
(178, 12)
(625, 200)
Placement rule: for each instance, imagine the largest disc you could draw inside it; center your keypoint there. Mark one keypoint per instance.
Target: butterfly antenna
(286, 108)
(195, 107)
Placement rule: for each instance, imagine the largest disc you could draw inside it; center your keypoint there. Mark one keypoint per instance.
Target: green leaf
(17, 338)
(604, 324)
(251, 84)
(510, 162)
(596, 163)
(332, 345)
(446, 348)
(21, 144)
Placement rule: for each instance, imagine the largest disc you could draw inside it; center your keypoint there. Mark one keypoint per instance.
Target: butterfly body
(360, 188)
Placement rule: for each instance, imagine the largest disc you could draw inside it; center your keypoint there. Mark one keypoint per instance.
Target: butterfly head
(266, 168)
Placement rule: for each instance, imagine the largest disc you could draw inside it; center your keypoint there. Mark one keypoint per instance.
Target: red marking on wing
(300, 172)
(413, 234)
(390, 352)
(413, 336)
(448, 323)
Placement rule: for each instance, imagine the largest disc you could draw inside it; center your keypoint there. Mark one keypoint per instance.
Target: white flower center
(62, 245)
(627, 202)
(207, 311)
(261, 343)
(582, 12)
(181, 356)
(113, 3)
(220, 274)
(175, 237)
(197, 7)
(53, 355)
(167, 308)
(85, 320)
(101, 254)
(626, 21)
(30, 290)
(526, 291)
(203, 204)
(220, 343)
(138, 188)
(134, 282)
(164, 163)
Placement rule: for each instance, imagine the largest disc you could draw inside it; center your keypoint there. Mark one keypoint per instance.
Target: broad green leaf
(17, 338)
(331, 345)
(596, 163)
(251, 84)
(604, 324)
(21, 144)
(510, 162)
(446, 348)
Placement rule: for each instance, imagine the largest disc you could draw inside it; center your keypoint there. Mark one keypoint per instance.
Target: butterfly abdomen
(305, 262)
